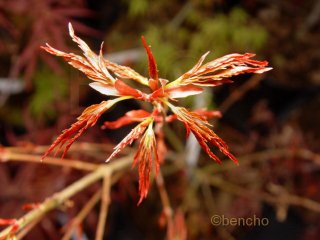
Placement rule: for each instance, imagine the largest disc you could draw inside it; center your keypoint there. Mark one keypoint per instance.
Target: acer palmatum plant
(108, 79)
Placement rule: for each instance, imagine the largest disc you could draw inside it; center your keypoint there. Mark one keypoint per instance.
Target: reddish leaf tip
(153, 71)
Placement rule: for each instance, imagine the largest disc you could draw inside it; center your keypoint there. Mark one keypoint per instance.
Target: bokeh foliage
(48, 90)
(180, 37)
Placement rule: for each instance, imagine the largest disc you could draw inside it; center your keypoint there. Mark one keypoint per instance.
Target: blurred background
(271, 122)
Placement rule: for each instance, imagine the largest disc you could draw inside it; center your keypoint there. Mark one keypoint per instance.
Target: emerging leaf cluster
(163, 94)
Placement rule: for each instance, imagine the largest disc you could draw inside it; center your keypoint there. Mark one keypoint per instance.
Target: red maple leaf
(108, 79)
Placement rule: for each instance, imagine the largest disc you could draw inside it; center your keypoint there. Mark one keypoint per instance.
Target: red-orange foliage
(162, 93)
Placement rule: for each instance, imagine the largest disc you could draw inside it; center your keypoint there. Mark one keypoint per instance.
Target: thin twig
(123, 57)
(87, 208)
(240, 92)
(76, 221)
(6, 156)
(173, 139)
(264, 156)
(287, 199)
(181, 16)
(208, 196)
(27, 229)
(76, 147)
(105, 200)
(60, 197)
(167, 209)
(311, 21)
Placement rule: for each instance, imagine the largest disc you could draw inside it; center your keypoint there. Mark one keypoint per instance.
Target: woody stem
(167, 209)
(60, 197)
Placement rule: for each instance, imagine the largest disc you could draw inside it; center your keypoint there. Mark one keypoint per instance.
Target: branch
(81, 215)
(76, 147)
(27, 229)
(167, 209)
(60, 197)
(237, 94)
(105, 200)
(286, 198)
(6, 156)
(264, 156)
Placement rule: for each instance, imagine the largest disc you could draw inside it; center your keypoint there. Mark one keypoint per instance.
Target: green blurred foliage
(48, 90)
(181, 34)
(137, 7)
(12, 115)
(228, 33)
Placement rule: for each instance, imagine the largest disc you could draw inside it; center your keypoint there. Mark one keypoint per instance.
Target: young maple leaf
(198, 125)
(151, 148)
(87, 119)
(146, 151)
